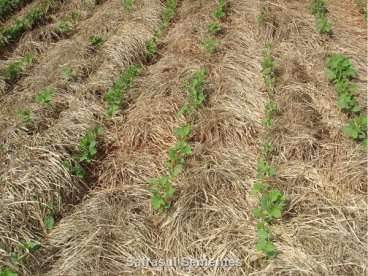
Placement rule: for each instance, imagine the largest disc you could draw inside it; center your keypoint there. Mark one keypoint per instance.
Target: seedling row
(161, 187)
(271, 201)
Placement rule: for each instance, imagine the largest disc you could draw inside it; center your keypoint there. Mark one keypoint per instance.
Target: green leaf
(31, 245)
(275, 212)
(6, 271)
(259, 187)
(49, 222)
(157, 202)
(183, 131)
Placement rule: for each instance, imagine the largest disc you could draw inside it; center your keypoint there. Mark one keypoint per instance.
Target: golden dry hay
(322, 172)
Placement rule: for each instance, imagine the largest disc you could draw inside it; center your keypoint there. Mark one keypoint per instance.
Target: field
(232, 133)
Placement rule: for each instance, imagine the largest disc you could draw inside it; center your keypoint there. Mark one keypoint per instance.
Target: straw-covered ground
(54, 221)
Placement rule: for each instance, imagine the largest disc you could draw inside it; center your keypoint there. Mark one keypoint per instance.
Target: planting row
(340, 72)
(319, 10)
(271, 201)
(162, 188)
(35, 16)
(7, 7)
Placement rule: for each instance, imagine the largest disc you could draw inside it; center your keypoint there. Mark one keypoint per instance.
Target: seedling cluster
(96, 41)
(211, 44)
(319, 10)
(8, 6)
(114, 97)
(161, 188)
(167, 15)
(268, 68)
(34, 17)
(340, 72)
(13, 71)
(87, 151)
(128, 4)
(66, 25)
(19, 254)
(45, 96)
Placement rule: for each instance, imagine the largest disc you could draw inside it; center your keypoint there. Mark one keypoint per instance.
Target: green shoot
(64, 27)
(264, 170)
(340, 68)
(75, 169)
(210, 45)
(268, 68)
(6, 271)
(151, 48)
(114, 96)
(323, 25)
(319, 10)
(264, 243)
(49, 222)
(357, 128)
(168, 14)
(219, 12)
(31, 246)
(195, 92)
(214, 28)
(12, 72)
(270, 112)
(88, 145)
(45, 96)
(96, 41)
(128, 4)
(67, 73)
(162, 193)
(25, 116)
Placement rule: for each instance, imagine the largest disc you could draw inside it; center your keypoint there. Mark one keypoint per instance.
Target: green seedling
(49, 221)
(96, 41)
(151, 48)
(128, 4)
(12, 72)
(318, 8)
(114, 96)
(267, 149)
(264, 170)
(168, 14)
(88, 145)
(6, 271)
(64, 27)
(75, 169)
(67, 73)
(25, 116)
(340, 68)
(264, 243)
(210, 45)
(357, 128)
(162, 193)
(270, 112)
(348, 103)
(271, 205)
(214, 28)
(219, 12)
(195, 92)
(268, 68)
(45, 96)
(7, 6)
(30, 246)
(323, 25)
